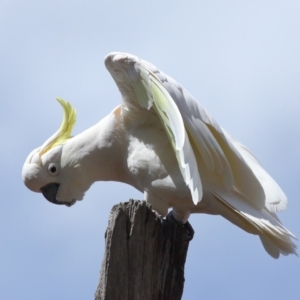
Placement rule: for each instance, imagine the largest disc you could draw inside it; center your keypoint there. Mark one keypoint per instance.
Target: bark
(144, 255)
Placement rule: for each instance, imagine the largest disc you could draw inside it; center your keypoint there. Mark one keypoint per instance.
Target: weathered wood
(144, 255)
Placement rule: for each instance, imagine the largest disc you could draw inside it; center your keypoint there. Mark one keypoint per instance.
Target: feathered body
(162, 141)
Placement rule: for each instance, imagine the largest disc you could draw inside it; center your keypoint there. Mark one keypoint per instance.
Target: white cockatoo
(164, 143)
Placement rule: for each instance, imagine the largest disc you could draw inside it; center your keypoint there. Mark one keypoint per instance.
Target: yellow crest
(65, 129)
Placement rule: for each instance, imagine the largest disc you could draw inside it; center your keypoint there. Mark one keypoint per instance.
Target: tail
(275, 238)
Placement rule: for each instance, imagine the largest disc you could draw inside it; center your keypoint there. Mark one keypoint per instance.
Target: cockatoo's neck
(98, 152)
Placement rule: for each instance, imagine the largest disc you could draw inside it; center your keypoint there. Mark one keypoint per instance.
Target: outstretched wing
(141, 88)
(222, 167)
(222, 162)
(238, 187)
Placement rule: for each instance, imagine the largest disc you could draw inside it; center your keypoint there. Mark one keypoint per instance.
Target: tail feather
(276, 247)
(269, 246)
(275, 238)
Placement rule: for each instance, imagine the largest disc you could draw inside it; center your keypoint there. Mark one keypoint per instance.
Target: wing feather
(221, 162)
(232, 180)
(228, 167)
(276, 199)
(172, 121)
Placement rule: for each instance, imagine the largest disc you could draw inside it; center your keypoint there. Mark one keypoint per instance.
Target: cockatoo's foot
(187, 225)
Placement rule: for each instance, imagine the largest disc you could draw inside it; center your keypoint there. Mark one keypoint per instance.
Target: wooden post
(144, 255)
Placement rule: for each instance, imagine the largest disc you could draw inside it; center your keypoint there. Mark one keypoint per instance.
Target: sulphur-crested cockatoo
(164, 143)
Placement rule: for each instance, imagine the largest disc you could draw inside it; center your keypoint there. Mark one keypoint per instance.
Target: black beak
(49, 191)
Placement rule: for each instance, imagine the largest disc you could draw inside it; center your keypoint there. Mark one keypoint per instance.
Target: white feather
(276, 199)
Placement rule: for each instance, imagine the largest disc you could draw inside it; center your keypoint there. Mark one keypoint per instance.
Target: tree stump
(144, 255)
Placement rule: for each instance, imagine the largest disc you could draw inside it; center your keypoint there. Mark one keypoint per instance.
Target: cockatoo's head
(47, 169)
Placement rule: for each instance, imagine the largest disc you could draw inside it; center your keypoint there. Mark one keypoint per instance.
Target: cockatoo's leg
(181, 215)
(176, 215)
(157, 203)
(187, 225)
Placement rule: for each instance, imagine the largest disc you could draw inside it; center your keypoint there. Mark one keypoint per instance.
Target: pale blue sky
(240, 59)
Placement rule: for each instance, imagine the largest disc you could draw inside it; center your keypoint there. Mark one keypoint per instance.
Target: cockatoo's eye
(52, 169)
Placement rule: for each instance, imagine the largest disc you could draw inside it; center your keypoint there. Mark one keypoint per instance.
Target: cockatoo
(161, 141)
